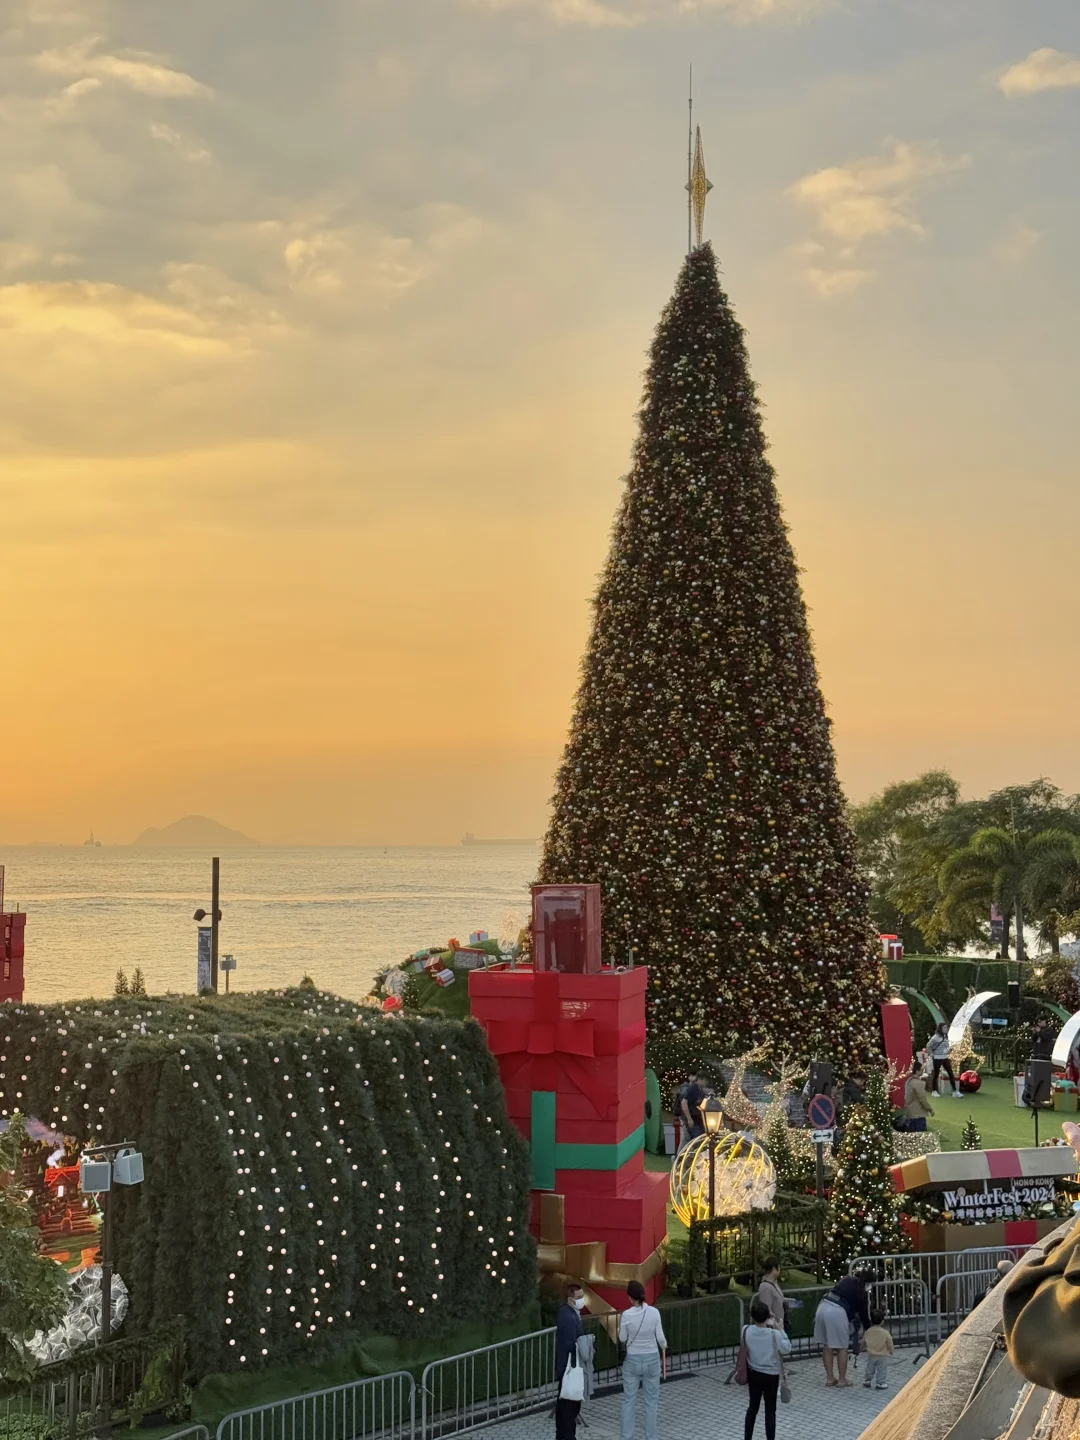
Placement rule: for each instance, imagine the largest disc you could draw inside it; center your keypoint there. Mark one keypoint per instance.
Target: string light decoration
(698, 786)
(316, 1172)
(864, 1213)
(745, 1178)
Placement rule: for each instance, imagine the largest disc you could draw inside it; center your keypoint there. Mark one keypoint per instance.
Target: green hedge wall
(315, 1171)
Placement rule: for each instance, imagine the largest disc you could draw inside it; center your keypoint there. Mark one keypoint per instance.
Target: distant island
(470, 839)
(195, 832)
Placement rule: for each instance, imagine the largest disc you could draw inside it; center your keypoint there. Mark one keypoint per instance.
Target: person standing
(769, 1291)
(568, 1330)
(691, 1107)
(766, 1347)
(641, 1331)
(845, 1302)
(917, 1107)
(938, 1051)
(878, 1344)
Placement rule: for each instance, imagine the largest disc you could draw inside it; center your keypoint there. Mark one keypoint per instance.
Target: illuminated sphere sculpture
(745, 1178)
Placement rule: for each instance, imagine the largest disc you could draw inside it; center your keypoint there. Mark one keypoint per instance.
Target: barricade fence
(382, 1407)
(929, 1266)
(957, 1295)
(465, 1393)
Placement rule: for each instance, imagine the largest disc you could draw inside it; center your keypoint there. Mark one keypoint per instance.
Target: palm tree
(1010, 870)
(1054, 890)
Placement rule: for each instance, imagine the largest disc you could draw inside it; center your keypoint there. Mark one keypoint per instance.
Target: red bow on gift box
(552, 1043)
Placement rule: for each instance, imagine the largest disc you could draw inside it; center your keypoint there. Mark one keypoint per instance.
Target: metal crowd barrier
(383, 1406)
(465, 1392)
(958, 1292)
(929, 1266)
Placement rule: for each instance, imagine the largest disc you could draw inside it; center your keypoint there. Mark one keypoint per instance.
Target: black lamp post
(712, 1117)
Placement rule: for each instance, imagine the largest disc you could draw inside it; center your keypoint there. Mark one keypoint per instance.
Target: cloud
(592, 14)
(168, 136)
(870, 197)
(107, 314)
(1015, 247)
(147, 74)
(1045, 69)
(838, 282)
(861, 201)
(597, 15)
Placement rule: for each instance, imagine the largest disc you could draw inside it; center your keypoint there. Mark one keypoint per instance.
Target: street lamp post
(100, 1166)
(215, 921)
(712, 1117)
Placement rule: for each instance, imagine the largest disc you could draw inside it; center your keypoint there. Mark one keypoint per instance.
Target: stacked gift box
(570, 1045)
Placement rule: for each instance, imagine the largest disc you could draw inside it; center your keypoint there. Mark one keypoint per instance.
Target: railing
(464, 1392)
(956, 1296)
(383, 1406)
(905, 1301)
(104, 1385)
(930, 1265)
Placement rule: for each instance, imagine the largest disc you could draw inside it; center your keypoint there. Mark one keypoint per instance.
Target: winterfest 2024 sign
(990, 1180)
(997, 1202)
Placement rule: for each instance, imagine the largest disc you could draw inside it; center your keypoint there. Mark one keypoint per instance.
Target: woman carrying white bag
(569, 1371)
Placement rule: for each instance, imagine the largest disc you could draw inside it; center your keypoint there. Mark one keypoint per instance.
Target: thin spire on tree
(698, 786)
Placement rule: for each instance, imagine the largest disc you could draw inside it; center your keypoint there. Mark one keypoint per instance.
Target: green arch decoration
(938, 1017)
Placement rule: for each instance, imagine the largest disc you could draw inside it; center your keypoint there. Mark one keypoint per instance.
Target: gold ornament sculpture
(744, 1178)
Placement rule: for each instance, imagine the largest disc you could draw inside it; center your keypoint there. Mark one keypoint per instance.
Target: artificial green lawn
(1002, 1125)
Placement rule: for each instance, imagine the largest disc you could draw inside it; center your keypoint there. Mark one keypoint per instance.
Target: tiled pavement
(702, 1407)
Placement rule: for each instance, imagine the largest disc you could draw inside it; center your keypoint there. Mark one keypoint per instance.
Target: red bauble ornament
(970, 1080)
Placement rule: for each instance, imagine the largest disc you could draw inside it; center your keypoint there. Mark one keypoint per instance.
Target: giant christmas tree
(699, 785)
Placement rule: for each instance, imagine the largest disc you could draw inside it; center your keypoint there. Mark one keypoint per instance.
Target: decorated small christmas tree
(970, 1139)
(878, 1104)
(121, 987)
(863, 1216)
(698, 786)
(138, 984)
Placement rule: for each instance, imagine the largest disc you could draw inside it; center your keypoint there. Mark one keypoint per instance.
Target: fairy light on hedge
(292, 1108)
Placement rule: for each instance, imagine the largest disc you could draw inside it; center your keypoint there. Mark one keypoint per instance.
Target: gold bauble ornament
(745, 1178)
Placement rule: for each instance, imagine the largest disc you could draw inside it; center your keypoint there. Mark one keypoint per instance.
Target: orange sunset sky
(321, 336)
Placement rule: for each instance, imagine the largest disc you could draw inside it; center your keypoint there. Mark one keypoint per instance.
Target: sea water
(338, 915)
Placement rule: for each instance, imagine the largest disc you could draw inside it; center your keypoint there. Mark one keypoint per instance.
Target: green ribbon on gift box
(548, 1156)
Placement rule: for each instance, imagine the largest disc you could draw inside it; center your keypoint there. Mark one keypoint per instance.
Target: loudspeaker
(1037, 1084)
(128, 1168)
(1013, 988)
(95, 1176)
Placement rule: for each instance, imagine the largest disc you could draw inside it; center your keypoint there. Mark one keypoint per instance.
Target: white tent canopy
(962, 1019)
(1066, 1037)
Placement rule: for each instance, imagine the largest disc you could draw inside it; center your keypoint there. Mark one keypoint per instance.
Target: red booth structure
(570, 1045)
(896, 1036)
(12, 953)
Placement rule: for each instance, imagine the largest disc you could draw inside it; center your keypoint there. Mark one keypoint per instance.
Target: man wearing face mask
(568, 1330)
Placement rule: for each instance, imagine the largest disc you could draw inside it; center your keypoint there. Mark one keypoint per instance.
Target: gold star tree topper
(698, 187)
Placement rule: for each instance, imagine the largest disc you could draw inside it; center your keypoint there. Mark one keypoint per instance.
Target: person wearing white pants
(641, 1331)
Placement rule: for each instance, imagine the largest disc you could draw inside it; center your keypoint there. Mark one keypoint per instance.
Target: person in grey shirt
(766, 1346)
(641, 1331)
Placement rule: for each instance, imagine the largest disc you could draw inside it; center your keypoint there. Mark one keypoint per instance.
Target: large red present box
(571, 1055)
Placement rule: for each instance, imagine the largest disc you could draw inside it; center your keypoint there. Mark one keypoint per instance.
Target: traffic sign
(821, 1112)
(821, 1137)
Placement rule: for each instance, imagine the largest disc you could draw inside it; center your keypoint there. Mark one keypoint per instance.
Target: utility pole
(215, 896)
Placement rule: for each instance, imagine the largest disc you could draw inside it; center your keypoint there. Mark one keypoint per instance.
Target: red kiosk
(569, 1036)
(12, 950)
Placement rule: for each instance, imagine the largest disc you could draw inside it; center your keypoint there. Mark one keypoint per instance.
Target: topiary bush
(314, 1171)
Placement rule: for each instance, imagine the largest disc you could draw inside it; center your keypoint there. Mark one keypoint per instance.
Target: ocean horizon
(339, 914)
